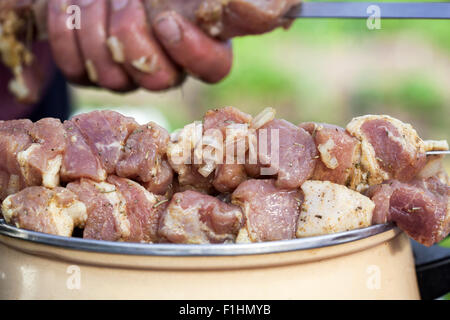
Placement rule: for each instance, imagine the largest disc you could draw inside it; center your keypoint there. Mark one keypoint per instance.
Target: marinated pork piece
(290, 155)
(143, 157)
(41, 162)
(330, 208)
(56, 211)
(421, 208)
(233, 125)
(228, 18)
(143, 210)
(79, 160)
(390, 149)
(195, 218)
(270, 213)
(106, 210)
(14, 138)
(339, 154)
(106, 133)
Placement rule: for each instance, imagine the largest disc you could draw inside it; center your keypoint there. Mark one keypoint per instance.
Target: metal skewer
(440, 152)
(364, 10)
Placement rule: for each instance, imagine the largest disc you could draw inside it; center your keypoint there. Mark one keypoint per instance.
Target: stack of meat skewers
(230, 178)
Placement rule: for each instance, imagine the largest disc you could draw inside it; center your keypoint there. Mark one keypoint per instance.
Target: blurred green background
(319, 70)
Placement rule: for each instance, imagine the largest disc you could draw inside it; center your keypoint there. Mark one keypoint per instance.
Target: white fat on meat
(408, 142)
(330, 208)
(48, 178)
(118, 203)
(40, 209)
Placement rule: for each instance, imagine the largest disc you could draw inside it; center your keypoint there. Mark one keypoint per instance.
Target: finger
(200, 55)
(132, 43)
(63, 42)
(92, 37)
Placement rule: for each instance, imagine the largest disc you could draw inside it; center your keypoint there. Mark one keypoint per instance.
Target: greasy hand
(119, 49)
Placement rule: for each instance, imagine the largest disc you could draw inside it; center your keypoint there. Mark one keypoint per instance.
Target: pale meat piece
(434, 167)
(228, 18)
(56, 211)
(191, 179)
(143, 210)
(194, 218)
(270, 213)
(421, 208)
(79, 160)
(106, 209)
(106, 133)
(41, 162)
(14, 138)
(228, 175)
(339, 152)
(143, 157)
(390, 149)
(290, 155)
(331, 208)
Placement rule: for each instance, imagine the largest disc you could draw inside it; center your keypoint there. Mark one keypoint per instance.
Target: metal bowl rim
(143, 249)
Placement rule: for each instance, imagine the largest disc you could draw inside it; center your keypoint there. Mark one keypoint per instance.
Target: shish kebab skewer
(437, 153)
(295, 196)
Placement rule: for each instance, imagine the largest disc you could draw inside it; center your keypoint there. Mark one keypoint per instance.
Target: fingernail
(119, 4)
(169, 29)
(85, 3)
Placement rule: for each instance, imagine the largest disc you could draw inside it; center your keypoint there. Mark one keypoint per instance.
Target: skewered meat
(41, 162)
(79, 160)
(106, 133)
(143, 157)
(339, 154)
(290, 154)
(193, 217)
(143, 210)
(106, 210)
(14, 138)
(56, 211)
(390, 149)
(91, 146)
(270, 213)
(231, 122)
(119, 209)
(95, 153)
(421, 208)
(330, 208)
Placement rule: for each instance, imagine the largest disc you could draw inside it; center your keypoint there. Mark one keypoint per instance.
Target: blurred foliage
(445, 243)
